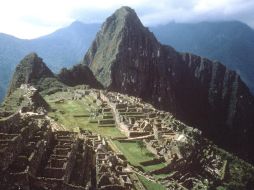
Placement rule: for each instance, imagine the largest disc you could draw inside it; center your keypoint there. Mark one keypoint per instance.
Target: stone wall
(10, 121)
(10, 146)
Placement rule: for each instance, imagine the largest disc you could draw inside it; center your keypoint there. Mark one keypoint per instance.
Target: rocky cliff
(126, 57)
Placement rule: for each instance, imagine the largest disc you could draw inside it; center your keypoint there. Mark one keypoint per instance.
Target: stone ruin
(35, 157)
(183, 150)
(110, 168)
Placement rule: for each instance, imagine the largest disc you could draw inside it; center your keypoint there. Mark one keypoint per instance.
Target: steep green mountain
(127, 58)
(62, 48)
(32, 70)
(230, 42)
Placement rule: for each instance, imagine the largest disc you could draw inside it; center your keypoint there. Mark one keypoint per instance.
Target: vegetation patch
(66, 114)
(149, 184)
(136, 153)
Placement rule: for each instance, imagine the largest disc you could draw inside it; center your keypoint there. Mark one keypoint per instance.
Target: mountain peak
(30, 70)
(125, 11)
(31, 57)
(122, 19)
(35, 64)
(120, 32)
(127, 14)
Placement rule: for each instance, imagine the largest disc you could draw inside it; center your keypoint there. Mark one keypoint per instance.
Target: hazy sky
(33, 18)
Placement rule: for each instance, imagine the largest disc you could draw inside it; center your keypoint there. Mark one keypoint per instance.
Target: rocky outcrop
(30, 70)
(77, 75)
(127, 58)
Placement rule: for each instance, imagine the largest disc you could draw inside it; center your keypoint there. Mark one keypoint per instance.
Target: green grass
(66, 111)
(135, 155)
(133, 152)
(150, 185)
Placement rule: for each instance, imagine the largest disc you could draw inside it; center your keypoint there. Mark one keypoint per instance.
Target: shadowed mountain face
(127, 58)
(230, 42)
(77, 75)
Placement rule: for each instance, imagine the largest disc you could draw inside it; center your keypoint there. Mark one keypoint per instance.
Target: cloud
(33, 18)
(201, 10)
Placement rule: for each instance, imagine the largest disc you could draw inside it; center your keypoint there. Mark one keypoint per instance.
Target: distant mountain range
(232, 43)
(63, 48)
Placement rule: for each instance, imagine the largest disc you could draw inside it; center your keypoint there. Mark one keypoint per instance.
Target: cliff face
(127, 58)
(30, 70)
(79, 74)
(231, 42)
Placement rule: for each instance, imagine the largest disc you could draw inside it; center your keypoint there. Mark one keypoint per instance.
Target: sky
(29, 19)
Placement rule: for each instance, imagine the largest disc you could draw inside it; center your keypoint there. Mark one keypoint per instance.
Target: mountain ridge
(12, 49)
(230, 42)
